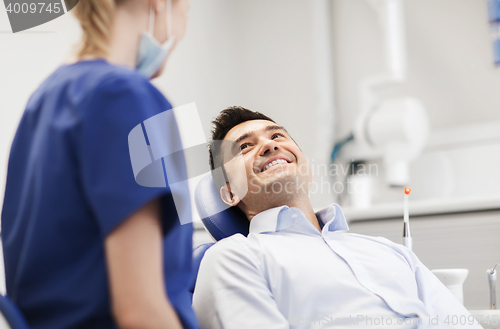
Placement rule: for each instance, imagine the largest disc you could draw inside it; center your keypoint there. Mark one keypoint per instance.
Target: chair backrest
(220, 221)
(198, 254)
(11, 314)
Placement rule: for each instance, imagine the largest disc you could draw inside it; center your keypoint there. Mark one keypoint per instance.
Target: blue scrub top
(69, 184)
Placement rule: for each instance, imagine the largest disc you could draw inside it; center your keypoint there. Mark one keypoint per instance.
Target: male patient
(296, 268)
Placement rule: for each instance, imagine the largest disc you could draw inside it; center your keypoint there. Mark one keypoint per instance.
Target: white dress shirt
(287, 274)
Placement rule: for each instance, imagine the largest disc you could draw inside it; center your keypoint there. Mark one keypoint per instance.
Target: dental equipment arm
(394, 129)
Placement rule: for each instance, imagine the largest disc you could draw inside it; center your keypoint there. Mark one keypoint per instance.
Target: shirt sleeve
(443, 307)
(231, 291)
(114, 108)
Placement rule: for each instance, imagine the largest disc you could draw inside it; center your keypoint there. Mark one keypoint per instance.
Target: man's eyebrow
(275, 127)
(244, 136)
(252, 133)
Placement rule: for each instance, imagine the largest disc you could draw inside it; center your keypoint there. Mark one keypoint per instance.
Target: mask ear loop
(152, 15)
(169, 18)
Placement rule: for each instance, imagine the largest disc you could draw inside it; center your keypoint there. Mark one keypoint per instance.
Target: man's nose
(268, 146)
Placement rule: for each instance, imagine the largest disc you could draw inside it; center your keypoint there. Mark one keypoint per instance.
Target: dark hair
(225, 121)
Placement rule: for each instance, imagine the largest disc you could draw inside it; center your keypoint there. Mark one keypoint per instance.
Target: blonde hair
(96, 18)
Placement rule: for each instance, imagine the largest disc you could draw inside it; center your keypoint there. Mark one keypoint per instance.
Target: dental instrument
(492, 280)
(407, 239)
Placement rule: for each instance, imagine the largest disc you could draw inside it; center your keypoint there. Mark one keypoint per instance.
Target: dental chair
(219, 221)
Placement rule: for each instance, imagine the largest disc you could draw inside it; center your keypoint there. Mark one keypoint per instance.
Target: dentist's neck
(127, 29)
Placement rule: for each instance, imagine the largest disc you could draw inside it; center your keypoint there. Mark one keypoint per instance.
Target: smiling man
(298, 268)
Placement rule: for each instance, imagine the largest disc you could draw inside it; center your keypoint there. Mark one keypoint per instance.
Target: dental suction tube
(492, 280)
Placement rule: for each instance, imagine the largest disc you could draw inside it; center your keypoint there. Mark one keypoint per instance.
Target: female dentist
(85, 246)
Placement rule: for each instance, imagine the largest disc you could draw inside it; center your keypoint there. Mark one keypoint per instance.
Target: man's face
(275, 166)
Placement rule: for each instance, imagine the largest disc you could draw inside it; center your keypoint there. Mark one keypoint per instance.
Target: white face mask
(152, 54)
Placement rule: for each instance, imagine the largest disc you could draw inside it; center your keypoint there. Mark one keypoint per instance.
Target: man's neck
(303, 204)
(308, 211)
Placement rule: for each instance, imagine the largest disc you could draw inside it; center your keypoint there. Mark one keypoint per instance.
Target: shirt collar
(281, 218)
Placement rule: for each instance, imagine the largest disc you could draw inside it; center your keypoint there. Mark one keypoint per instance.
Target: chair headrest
(220, 221)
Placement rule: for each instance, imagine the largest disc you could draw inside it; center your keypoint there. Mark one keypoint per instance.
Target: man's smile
(279, 160)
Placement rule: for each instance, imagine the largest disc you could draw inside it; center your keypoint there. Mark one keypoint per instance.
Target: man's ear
(228, 197)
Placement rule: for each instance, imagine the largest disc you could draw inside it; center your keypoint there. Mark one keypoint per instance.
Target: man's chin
(285, 183)
(278, 176)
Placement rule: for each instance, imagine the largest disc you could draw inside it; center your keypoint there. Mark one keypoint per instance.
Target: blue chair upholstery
(219, 221)
(12, 314)
(198, 254)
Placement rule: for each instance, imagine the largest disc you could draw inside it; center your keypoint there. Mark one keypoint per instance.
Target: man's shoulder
(230, 242)
(235, 245)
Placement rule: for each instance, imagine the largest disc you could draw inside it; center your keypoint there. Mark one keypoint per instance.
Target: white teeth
(269, 165)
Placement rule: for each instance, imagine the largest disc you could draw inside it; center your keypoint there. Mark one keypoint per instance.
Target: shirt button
(294, 216)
